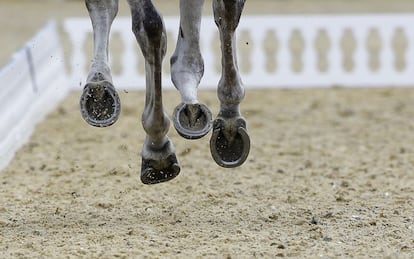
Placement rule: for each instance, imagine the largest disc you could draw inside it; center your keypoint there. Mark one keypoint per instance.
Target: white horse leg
(192, 119)
(100, 105)
(159, 162)
(230, 143)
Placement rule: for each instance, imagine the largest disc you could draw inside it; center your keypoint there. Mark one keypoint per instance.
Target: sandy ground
(330, 174)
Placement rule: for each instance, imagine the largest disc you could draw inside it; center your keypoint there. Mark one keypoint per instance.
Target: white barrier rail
(279, 51)
(33, 82)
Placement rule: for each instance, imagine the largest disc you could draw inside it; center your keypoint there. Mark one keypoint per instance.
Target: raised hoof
(192, 121)
(99, 104)
(230, 142)
(158, 171)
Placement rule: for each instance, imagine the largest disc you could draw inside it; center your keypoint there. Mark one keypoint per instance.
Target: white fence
(33, 82)
(278, 51)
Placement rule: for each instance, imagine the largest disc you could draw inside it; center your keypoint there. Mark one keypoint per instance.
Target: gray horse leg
(159, 162)
(99, 103)
(230, 143)
(192, 119)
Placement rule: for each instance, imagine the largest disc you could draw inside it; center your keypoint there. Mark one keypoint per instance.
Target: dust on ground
(330, 174)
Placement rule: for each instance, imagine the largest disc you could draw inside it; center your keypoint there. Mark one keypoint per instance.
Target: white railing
(33, 82)
(277, 51)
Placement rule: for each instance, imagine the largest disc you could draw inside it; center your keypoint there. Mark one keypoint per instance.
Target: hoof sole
(232, 152)
(99, 104)
(192, 121)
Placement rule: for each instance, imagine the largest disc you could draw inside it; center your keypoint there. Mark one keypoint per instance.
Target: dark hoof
(99, 104)
(192, 121)
(158, 171)
(230, 142)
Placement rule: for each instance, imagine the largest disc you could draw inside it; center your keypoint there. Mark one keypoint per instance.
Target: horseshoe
(192, 121)
(99, 104)
(230, 142)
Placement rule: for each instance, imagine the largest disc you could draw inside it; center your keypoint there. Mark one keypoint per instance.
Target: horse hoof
(156, 171)
(192, 121)
(99, 104)
(230, 142)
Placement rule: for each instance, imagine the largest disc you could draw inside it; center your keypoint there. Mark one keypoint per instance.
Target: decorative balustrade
(274, 51)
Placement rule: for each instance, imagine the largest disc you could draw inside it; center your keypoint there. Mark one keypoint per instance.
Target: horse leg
(99, 103)
(192, 119)
(230, 143)
(159, 162)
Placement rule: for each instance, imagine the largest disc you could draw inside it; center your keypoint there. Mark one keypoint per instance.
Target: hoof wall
(153, 172)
